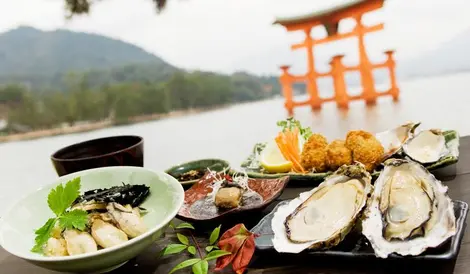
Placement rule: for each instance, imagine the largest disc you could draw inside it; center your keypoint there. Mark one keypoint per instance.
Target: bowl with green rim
(198, 168)
(18, 224)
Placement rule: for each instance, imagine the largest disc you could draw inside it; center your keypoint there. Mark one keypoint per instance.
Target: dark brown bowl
(126, 150)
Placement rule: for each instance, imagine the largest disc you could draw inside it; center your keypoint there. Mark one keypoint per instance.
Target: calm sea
(438, 102)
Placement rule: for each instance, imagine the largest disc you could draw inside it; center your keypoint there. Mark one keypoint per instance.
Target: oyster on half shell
(322, 217)
(394, 139)
(426, 147)
(408, 212)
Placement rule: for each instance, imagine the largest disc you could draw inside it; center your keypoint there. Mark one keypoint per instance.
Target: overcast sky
(231, 35)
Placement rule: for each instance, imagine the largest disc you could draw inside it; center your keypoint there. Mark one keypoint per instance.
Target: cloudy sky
(231, 35)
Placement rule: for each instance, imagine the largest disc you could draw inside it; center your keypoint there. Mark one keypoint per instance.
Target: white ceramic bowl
(31, 212)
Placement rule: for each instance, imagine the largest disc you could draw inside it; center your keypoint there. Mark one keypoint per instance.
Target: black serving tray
(356, 246)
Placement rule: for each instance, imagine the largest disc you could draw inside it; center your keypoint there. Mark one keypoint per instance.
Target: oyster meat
(394, 139)
(426, 147)
(79, 242)
(322, 217)
(408, 212)
(128, 219)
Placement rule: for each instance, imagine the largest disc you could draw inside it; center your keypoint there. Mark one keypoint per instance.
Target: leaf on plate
(192, 250)
(185, 225)
(214, 235)
(183, 239)
(60, 198)
(240, 242)
(184, 264)
(173, 249)
(74, 219)
(43, 234)
(201, 267)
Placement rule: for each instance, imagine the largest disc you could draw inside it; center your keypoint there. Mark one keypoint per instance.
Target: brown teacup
(125, 150)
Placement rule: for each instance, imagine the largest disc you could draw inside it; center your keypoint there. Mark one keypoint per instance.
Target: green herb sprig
(59, 200)
(290, 123)
(199, 265)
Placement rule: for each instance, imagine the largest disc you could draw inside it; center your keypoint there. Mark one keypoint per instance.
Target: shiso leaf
(60, 198)
(74, 219)
(43, 234)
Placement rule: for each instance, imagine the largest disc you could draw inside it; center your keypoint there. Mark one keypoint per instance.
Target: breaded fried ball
(313, 157)
(365, 148)
(338, 154)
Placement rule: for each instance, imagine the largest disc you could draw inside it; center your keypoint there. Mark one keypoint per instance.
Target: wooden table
(457, 177)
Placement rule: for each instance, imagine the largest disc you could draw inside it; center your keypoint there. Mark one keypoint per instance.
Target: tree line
(81, 101)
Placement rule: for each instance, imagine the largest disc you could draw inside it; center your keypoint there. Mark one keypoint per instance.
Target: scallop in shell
(408, 212)
(322, 217)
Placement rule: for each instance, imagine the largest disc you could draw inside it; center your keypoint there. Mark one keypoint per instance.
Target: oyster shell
(322, 217)
(394, 139)
(426, 147)
(409, 211)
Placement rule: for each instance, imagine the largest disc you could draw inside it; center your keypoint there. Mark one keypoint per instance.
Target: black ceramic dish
(357, 246)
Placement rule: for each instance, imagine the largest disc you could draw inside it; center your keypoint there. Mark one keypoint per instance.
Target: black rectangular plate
(357, 246)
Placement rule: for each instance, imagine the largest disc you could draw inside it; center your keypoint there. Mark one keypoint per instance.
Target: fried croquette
(365, 148)
(313, 157)
(338, 154)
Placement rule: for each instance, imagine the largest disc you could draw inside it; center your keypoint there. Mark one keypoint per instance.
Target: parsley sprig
(290, 123)
(59, 200)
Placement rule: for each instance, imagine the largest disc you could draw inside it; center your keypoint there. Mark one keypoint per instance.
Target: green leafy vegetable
(183, 239)
(192, 250)
(59, 200)
(290, 123)
(214, 235)
(43, 234)
(61, 197)
(184, 264)
(74, 219)
(201, 267)
(174, 249)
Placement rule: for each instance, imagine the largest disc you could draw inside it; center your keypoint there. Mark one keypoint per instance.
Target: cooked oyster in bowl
(322, 217)
(427, 147)
(408, 212)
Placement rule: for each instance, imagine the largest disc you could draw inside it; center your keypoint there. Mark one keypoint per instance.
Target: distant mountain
(29, 51)
(452, 56)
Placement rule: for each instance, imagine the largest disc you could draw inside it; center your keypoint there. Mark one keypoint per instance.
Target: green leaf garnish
(174, 249)
(214, 235)
(61, 197)
(183, 239)
(59, 200)
(216, 254)
(185, 225)
(209, 248)
(192, 250)
(290, 123)
(201, 267)
(184, 264)
(74, 219)
(43, 234)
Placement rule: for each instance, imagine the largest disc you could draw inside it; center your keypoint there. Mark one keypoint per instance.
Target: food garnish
(290, 123)
(288, 143)
(59, 200)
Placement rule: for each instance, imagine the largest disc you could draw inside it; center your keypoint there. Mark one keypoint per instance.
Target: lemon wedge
(272, 160)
